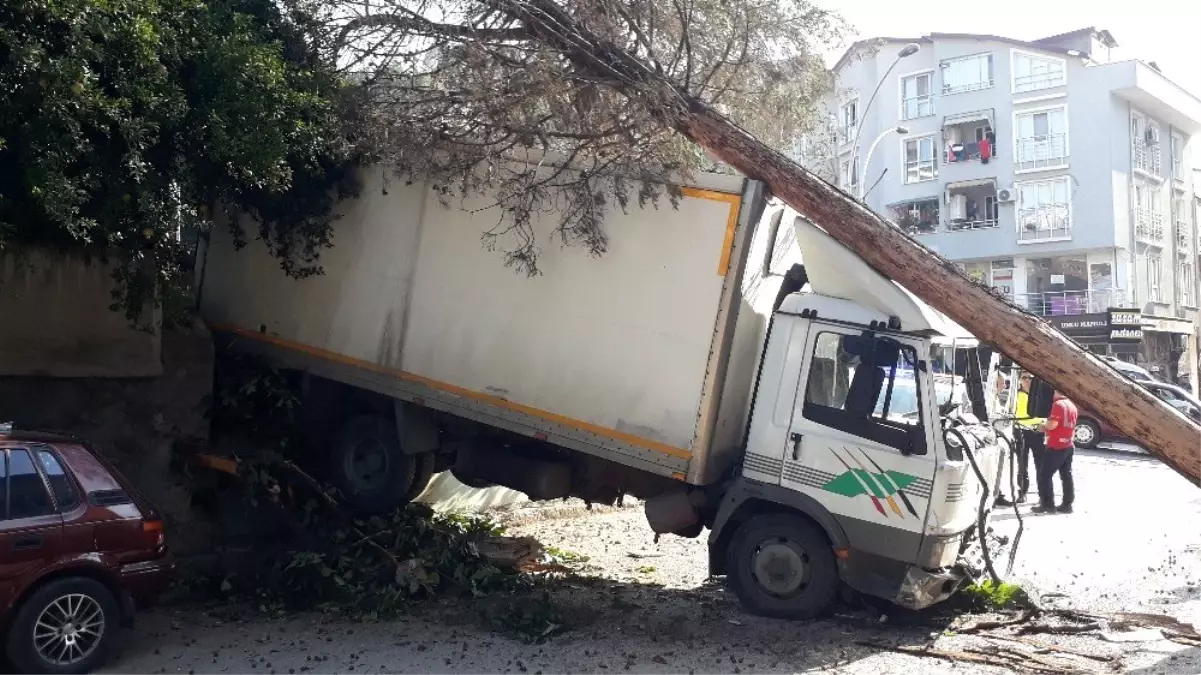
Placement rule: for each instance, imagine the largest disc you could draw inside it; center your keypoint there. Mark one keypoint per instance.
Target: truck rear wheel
(422, 473)
(782, 566)
(369, 467)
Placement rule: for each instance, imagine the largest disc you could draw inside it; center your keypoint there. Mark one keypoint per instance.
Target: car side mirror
(1042, 396)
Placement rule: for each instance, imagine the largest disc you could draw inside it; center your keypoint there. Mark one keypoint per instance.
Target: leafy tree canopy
(457, 88)
(123, 121)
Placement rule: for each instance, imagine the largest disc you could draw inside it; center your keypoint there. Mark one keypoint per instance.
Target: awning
(964, 184)
(973, 116)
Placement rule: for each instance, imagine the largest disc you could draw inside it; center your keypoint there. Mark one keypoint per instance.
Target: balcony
(972, 205)
(918, 216)
(1036, 153)
(1071, 303)
(1148, 226)
(1044, 222)
(1148, 159)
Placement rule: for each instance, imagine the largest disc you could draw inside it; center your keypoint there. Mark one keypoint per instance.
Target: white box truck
(726, 361)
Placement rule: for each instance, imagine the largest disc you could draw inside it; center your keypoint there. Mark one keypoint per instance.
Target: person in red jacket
(1057, 457)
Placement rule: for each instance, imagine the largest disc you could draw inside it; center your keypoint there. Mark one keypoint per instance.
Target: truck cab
(869, 457)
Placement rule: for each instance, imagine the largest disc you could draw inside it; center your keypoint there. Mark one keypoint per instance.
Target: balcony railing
(1044, 222)
(1147, 158)
(1148, 226)
(918, 106)
(1043, 80)
(1071, 303)
(1041, 152)
(976, 224)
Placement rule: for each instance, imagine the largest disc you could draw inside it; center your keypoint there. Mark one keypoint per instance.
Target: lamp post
(905, 52)
(901, 131)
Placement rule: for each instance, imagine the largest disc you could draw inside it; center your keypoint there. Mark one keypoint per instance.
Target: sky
(1168, 32)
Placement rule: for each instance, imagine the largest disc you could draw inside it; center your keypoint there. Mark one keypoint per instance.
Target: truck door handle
(796, 445)
(27, 543)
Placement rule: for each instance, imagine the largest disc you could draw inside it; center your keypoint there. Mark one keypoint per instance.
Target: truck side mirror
(1042, 395)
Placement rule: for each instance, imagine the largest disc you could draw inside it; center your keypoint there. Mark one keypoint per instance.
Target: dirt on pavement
(1133, 544)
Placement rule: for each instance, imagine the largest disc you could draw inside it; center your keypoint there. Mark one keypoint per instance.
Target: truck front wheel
(369, 468)
(782, 566)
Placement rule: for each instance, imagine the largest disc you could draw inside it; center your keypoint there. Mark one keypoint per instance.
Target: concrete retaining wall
(57, 321)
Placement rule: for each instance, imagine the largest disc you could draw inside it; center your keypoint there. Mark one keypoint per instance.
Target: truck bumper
(921, 588)
(903, 584)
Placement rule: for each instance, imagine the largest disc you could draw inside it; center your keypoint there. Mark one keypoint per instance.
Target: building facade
(1045, 169)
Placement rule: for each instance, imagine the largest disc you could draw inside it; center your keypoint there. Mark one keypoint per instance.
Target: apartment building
(1044, 168)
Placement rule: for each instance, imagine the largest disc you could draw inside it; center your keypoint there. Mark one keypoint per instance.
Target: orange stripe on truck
(581, 425)
(735, 202)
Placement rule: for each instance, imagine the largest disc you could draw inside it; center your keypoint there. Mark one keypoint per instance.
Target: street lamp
(905, 52)
(901, 130)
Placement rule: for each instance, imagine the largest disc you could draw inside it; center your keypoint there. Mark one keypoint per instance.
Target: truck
(725, 361)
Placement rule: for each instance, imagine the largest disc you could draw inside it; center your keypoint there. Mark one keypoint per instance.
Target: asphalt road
(1133, 544)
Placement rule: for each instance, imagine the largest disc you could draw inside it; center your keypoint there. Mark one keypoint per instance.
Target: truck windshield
(903, 405)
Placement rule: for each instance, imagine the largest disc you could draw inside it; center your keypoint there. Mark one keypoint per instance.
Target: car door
(30, 527)
(860, 444)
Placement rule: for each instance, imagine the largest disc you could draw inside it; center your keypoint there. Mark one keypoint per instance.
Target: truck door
(859, 439)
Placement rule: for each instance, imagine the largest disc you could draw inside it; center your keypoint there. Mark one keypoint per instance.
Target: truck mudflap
(922, 588)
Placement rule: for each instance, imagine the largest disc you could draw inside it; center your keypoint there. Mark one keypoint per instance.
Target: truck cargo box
(645, 355)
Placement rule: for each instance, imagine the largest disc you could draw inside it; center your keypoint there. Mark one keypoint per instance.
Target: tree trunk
(1027, 339)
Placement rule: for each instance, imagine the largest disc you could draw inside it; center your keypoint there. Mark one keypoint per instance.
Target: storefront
(1115, 332)
(1165, 342)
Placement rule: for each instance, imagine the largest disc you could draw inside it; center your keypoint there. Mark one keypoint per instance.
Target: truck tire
(422, 474)
(1087, 433)
(782, 566)
(369, 468)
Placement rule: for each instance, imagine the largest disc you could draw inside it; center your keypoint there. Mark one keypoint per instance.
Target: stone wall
(57, 321)
(135, 422)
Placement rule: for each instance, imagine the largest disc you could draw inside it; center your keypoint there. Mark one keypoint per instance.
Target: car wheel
(782, 566)
(369, 468)
(1087, 433)
(65, 626)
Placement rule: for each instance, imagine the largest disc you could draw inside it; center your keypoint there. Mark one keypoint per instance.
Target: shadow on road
(612, 626)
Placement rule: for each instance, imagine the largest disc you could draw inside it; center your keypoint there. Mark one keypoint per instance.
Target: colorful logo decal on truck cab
(877, 485)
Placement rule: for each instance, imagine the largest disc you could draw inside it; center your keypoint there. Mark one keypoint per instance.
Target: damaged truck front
(726, 361)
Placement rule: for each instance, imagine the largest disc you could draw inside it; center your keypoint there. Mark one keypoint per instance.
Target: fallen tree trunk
(1027, 339)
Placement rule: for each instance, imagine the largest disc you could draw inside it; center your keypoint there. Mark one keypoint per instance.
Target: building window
(1032, 72)
(848, 118)
(1180, 225)
(1148, 217)
(917, 97)
(1041, 140)
(919, 216)
(1186, 280)
(1145, 149)
(921, 159)
(1154, 265)
(848, 177)
(1177, 157)
(1044, 210)
(969, 73)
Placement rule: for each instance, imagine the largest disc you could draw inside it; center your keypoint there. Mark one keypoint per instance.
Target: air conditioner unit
(1005, 195)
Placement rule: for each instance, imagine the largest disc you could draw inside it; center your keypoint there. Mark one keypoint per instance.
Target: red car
(1091, 429)
(79, 550)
